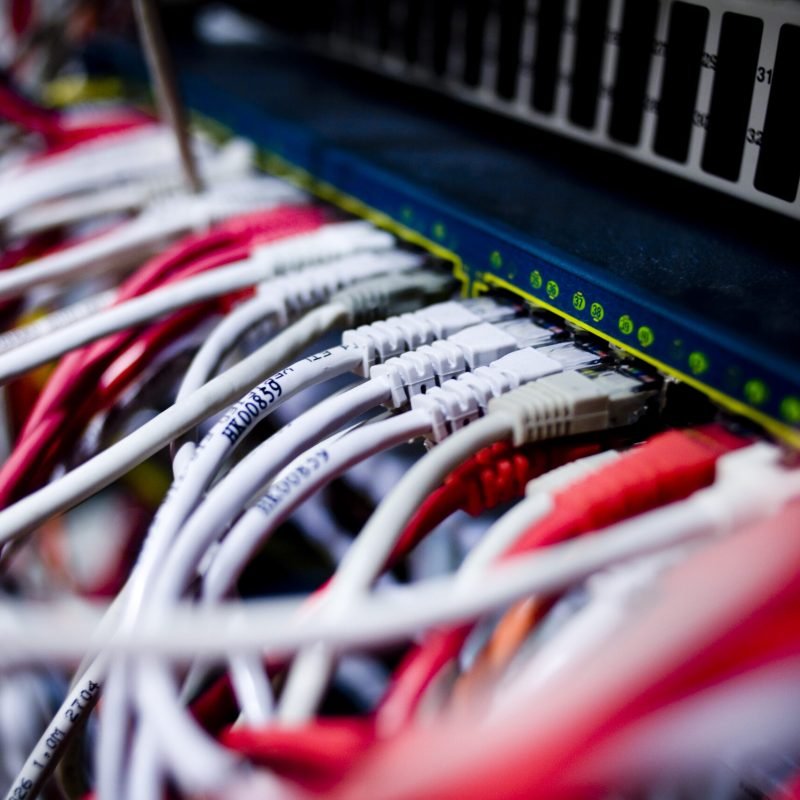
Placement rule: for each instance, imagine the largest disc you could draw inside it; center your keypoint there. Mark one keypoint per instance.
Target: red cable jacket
(315, 756)
(789, 792)
(216, 707)
(497, 474)
(78, 371)
(23, 113)
(30, 465)
(485, 761)
(21, 16)
(668, 467)
(416, 672)
(187, 257)
(118, 376)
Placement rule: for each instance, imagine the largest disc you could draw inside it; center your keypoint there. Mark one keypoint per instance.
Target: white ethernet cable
(233, 160)
(558, 405)
(363, 246)
(752, 485)
(118, 158)
(376, 342)
(260, 468)
(300, 480)
(146, 234)
(468, 347)
(348, 307)
(56, 320)
(391, 384)
(104, 468)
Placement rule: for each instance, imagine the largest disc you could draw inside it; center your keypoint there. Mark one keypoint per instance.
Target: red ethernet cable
(226, 242)
(59, 132)
(750, 623)
(77, 373)
(666, 468)
(314, 756)
(495, 475)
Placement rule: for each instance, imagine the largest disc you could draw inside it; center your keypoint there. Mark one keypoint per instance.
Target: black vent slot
(477, 12)
(547, 55)
(413, 31)
(778, 170)
(512, 20)
(737, 61)
(442, 12)
(591, 34)
(633, 70)
(684, 58)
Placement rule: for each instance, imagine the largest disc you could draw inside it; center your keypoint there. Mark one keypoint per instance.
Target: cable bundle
(211, 370)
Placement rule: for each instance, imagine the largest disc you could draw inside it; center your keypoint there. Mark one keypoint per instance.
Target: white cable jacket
(361, 565)
(282, 626)
(56, 320)
(233, 159)
(216, 446)
(207, 286)
(114, 462)
(222, 339)
(113, 159)
(299, 481)
(133, 241)
(260, 467)
(155, 689)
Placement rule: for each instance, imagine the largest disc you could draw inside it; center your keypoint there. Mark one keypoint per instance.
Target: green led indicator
(625, 325)
(496, 260)
(645, 336)
(756, 391)
(790, 409)
(439, 231)
(597, 312)
(536, 279)
(552, 289)
(407, 214)
(578, 301)
(698, 362)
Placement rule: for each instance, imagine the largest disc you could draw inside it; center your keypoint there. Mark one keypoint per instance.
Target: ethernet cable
(390, 383)
(142, 236)
(320, 465)
(348, 307)
(61, 130)
(235, 424)
(405, 374)
(558, 405)
(261, 467)
(375, 342)
(138, 153)
(224, 243)
(222, 281)
(437, 649)
(279, 257)
(11, 339)
(276, 628)
(107, 466)
(280, 627)
(232, 161)
(666, 468)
